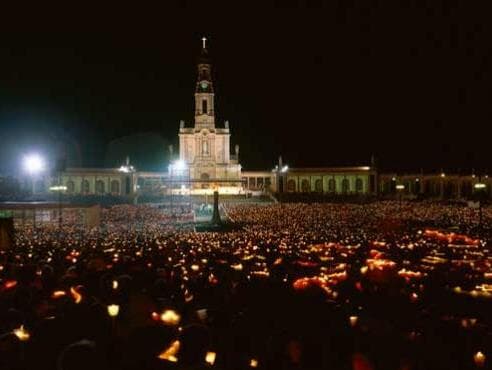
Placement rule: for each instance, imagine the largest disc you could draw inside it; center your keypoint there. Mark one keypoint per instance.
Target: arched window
(345, 186)
(305, 186)
(318, 185)
(115, 187)
(358, 185)
(70, 187)
(332, 185)
(99, 187)
(85, 187)
(291, 185)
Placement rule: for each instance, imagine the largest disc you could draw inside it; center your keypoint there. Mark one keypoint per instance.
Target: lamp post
(33, 164)
(400, 188)
(480, 189)
(59, 189)
(179, 167)
(279, 170)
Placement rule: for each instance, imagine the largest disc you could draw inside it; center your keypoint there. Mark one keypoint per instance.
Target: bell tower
(204, 91)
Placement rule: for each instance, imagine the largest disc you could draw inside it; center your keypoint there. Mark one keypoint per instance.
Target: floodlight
(179, 165)
(33, 163)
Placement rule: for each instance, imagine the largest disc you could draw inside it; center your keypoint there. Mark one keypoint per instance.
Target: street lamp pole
(400, 188)
(480, 188)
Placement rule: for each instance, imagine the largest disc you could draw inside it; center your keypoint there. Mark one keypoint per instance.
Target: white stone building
(204, 149)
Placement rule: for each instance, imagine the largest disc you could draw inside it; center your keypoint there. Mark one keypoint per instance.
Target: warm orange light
(58, 294)
(113, 310)
(479, 359)
(169, 354)
(22, 333)
(210, 358)
(170, 317)
(77, 297)
(9, 284)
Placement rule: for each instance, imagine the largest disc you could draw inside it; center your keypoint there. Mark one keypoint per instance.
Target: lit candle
(113, 310)
(169, 354)
(22, 333)
(210, 358)
(77, 297)
(170, 317)
(479, 359)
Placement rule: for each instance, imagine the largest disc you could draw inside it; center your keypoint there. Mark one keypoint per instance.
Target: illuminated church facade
(205, 149)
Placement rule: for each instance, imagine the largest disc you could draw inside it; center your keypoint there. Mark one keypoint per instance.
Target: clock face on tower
(204, 85)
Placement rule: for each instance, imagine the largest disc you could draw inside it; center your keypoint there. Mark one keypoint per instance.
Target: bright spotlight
(179, 165)
(33, 163)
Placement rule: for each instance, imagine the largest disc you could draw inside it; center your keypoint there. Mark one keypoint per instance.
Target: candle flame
(9, 284)
(22, 333)
(77, 297)
(170, 317)
(210, 358)
(58, 294)
(479, 359)
(169, 354)
(113, 310)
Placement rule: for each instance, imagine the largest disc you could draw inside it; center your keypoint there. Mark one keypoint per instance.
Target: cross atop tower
(204, 40)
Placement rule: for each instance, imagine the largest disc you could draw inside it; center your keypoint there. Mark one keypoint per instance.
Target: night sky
(409, 82)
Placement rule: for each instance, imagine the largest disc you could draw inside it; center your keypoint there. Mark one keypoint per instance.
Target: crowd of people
(382, 285)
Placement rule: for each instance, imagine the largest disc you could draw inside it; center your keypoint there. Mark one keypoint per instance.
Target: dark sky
(408, 81)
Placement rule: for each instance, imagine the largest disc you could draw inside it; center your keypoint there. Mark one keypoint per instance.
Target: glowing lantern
(113, 310)
(210, 358)
(479, 359)
(170, 317)
(22, 333)
(169, 354)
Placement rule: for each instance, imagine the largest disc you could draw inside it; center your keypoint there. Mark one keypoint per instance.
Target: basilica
(207, 164)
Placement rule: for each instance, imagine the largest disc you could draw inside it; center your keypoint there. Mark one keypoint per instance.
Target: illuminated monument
(204, 149)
